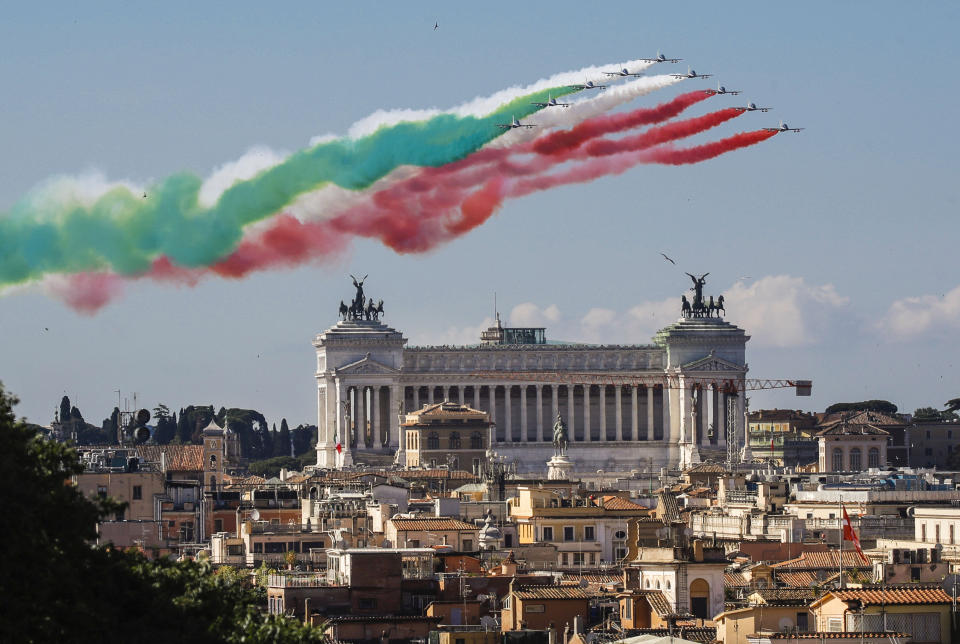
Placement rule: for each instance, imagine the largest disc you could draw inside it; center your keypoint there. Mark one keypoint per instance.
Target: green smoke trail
(124, 233)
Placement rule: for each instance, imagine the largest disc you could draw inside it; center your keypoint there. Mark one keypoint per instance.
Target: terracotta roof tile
(734, 579)
(429, 523)
(179, 458)
(707, 468)
(827, 635)
(801, 579)
(815, 560)
(620, 503)
(894, 595)
(551, 592)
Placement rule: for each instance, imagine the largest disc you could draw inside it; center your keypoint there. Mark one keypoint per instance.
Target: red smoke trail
(658, 135)
(672, 156)
(559, 142)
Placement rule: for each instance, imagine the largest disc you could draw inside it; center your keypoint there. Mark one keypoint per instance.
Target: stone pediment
(711, 363)
(366, 366)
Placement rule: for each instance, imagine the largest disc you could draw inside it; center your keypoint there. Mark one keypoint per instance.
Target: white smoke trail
(553, 117)
(331, 200)
(483, 105)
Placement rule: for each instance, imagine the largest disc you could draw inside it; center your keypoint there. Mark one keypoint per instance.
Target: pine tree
(65, 410)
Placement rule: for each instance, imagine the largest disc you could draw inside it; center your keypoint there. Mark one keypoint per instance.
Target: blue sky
(837, 227)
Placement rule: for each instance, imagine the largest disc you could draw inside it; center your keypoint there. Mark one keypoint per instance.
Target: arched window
(454, 440)
(647, 583)
(433, 440)
(668, 584)
(700, 598)
(476, 440)
(213, 461)
(837, 460)
(856, 463)
(873, 457)
(658, 584)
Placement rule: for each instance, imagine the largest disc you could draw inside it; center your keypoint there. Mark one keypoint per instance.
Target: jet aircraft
(551, 102)
(514, 123)
(661, 59)
(783, 128)
(589, 85)
(691, 74)
(723, 90)
(623, 72)
(752, 107)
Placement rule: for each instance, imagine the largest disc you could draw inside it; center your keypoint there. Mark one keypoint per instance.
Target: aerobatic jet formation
(691, 74)
(661, 59)
(783, 128)
(752, 107)
(551, 102)
(723, 90)
(514, 123)
(589, 85)
(623, 72)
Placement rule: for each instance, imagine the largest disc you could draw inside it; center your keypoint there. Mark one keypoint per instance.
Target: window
(619, 553)
(928, 433)
(213, 461)
(367, 603)
(835, 624)
(628, 608)
(856, 463)
(102, 491)
(547, 533)
(218, 525)
(936, 531)
(668, 584)
(508, 540)
(454, 440)
(923, 532)
(949, 433)
(137, 492)
(915, 574)
(802, 622)
(468, 545)
(837, 460)
(433, 440)
(589, 533)
(873, 457)
(620, 534)
(928, 451)
(476, 466)
(476, 440)
(578, 559)
(568, 533)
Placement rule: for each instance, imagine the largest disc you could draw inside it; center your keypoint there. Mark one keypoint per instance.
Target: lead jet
(783, 128)
(723, 90)
(589, 85)
(551, 102)
(691, 74)
(752, 107)
(623, 72)
(514, 123)
(661, 59)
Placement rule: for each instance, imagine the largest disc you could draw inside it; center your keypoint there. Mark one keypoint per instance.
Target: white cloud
(784, 311)
(912, 316)
(453, 335)
(253, 162)
(529, 314)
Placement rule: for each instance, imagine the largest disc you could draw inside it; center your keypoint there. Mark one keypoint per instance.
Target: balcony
(298, 581)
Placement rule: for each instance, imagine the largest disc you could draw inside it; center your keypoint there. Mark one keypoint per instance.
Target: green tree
(282, 443)
(68, 591)
(881, 406)
(64, 409)
(926, 414)
(953, 406)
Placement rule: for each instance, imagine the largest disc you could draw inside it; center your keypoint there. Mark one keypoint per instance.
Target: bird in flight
(436, 26)
(668, 259)
(144, 195)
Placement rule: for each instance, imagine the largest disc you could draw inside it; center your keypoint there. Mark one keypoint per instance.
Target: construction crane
(725, 384)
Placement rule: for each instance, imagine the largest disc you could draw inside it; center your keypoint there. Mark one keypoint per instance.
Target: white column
(571, 408)
(396, 397)
(460, 394)
(554, 408)
(618, 401)
(650, 429)
(603, 412)
(507, 413)
(666, 395)
(375, 434)
(635, 412)
(430, 389)
(524, 436)
(361, 423)
(446, 393)
(539, 413)
(721, 417)
(416, 398)
(492, 392)
(587, 437)
(704, 415)
(476, 396)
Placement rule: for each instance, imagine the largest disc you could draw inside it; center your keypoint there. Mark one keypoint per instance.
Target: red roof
(620, 503)
(179, 458)
(830, 559)
(429, 523)
(894, 595)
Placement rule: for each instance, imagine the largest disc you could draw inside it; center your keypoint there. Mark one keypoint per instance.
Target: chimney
(283, 474)
(577, 624)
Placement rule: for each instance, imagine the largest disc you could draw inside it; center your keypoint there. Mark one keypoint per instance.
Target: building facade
(662, 405)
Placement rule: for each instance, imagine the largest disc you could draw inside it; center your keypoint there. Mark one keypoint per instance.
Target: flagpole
(840, 516)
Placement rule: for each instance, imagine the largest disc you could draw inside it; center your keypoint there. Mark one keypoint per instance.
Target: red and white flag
(339, 448)
(850, 535)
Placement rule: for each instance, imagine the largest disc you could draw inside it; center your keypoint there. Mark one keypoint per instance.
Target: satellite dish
(255, 515)
(583, 584)
(488, 622)
(143, 417)
(141, 434)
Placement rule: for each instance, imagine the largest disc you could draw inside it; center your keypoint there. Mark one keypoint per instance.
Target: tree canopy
(881, 406)
(58, 588)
